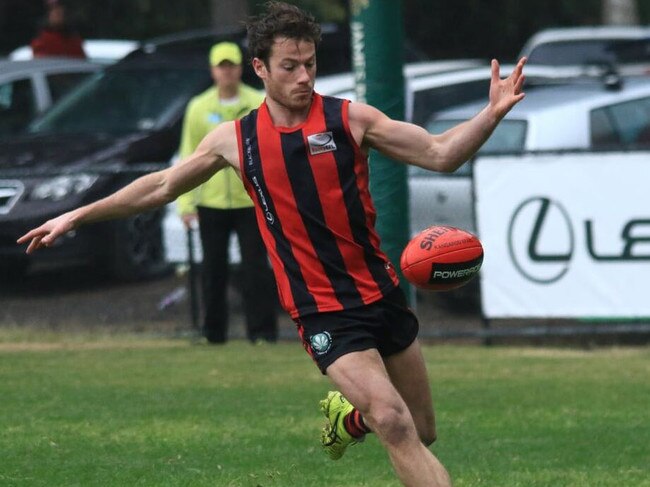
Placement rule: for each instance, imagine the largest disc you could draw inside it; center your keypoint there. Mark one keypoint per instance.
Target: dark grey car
(28, 88)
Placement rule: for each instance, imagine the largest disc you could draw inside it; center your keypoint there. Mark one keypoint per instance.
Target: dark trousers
(258, 284)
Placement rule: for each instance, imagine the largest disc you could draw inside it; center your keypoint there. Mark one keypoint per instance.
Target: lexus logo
(541, 240)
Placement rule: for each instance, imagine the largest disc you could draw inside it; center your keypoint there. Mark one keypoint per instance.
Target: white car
(429, 88)
(625, 47)
(102, 51)
(429, 92)
(582, 115)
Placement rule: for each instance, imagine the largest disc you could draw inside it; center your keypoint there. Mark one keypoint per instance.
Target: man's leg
(407, 372)
(214, 228)
(363, 379)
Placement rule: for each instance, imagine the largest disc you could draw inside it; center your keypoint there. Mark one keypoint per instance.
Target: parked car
(582, 115)
(102, 51)
(627, 48)
(28, 88)
(431, 88)
(122, 122)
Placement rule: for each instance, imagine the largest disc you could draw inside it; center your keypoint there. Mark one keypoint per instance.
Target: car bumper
(77, 246)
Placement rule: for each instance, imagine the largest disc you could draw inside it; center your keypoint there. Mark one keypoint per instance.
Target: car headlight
(63, 186)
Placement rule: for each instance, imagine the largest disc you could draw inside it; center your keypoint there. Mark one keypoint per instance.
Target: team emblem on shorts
(321, 343)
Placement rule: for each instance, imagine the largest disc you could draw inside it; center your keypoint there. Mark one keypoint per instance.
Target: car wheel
(13, 271)
(137, 247)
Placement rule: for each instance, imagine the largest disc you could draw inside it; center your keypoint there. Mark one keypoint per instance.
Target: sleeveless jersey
(313, 206)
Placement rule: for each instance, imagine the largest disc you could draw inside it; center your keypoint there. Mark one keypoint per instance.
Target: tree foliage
(442, 29)
(330, 11)
(487, 28)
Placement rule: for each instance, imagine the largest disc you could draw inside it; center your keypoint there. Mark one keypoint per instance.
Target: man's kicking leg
(363, 379)
(407, 372)
(345, 426)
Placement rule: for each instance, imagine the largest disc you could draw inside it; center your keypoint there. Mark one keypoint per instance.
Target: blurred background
(460, 28)
(73, 130)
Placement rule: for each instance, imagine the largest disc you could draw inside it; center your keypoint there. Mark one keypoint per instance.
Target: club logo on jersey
(319, 143)
(321, 343)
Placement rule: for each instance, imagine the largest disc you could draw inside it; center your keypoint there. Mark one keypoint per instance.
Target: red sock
(355, 425)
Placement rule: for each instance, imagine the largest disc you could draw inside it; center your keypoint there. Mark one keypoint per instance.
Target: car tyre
(13, 271)
(137, 249)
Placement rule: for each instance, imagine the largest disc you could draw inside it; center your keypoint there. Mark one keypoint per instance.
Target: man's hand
(506, 93)
(46, 234)
(190, 220)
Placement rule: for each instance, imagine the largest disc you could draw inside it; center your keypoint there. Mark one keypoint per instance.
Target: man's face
(56, 16)
(290, 73)
(226, 74)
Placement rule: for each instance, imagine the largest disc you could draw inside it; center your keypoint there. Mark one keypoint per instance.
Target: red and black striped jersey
(313, 206)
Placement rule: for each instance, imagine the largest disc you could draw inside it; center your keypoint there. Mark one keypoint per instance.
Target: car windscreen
(591, 52)
(124, 100)
(508, 137)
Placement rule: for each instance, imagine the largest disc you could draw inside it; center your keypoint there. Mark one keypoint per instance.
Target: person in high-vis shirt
(221, 206)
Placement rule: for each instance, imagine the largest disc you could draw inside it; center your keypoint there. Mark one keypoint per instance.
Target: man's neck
(226, 92)
(283, 116)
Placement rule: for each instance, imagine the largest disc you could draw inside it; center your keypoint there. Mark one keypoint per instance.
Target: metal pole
(377, 54)
(194, 302)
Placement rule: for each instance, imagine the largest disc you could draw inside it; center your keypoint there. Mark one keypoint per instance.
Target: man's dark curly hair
(280, 20)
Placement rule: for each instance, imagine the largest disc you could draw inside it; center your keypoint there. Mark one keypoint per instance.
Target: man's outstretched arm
(147, 192)
(447, 151)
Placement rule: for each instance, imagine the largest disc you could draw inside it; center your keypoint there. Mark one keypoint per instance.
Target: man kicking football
(303, 160)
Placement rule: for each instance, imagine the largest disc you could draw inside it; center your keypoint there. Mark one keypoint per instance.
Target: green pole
(377, 55)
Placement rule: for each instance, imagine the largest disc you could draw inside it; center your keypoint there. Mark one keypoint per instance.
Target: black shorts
(388, 325)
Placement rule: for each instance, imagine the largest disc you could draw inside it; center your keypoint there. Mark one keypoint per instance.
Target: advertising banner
(565, 235)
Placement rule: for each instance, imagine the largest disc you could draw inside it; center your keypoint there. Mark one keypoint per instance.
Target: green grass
(92, 410)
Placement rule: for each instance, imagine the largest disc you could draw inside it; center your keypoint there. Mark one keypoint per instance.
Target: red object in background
(55, 43)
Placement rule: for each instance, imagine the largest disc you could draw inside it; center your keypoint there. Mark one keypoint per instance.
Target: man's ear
(260, 68)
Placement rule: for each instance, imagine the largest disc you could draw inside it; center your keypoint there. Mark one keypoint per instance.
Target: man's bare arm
(147, 192)
(447, 151)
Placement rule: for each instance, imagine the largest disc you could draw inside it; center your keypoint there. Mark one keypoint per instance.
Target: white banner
(565, 235)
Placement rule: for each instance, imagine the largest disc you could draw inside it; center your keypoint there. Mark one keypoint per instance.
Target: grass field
(128, 410)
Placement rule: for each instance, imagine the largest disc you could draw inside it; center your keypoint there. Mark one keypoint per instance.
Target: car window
(428, 101)
(124, 100)
(632, 51)
(602, 130)
(508, 137)
(626, 123)
(17, 105)
(590, 51)
(61, 83)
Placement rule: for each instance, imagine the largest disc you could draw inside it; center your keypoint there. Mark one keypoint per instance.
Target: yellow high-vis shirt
(204, 112)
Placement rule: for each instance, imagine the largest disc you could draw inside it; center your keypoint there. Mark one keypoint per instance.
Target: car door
(60, 84)
(18, 104)
(621, 125)
(435, 198)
